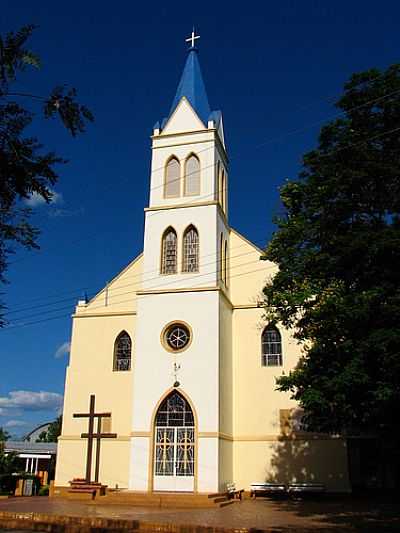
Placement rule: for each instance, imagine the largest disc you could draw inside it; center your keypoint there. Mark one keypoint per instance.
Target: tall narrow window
(122, 352)
(226, 266)
(169, 252)
(221, 258)
(223, 187)
(220, 196)
(217, 171)
(192, 176)
(225, 193)
(190, 250)
(271, 347)
(172, 183)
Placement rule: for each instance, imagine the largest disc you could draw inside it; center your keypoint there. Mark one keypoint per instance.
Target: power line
(68, 315)
(341, 148)
(173, 282)
(139, 275)
(267, 141)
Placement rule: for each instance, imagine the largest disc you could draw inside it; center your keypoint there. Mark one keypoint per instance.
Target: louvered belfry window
(191, 250)
(172, 184)
(169, 252)
(192, 176)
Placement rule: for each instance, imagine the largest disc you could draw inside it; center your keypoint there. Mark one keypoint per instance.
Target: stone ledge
(74, 524)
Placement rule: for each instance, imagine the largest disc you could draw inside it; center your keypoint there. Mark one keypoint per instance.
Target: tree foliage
(4, 435)
(337, 246)
(53, 431)
(8, 463)
(25, 166)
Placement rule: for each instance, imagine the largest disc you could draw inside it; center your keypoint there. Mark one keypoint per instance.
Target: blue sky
(273, 68)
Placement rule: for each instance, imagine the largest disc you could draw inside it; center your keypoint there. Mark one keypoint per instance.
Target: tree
(4, 435)
(25, 167)
(53, 431)
(8, 463)
(337, 246)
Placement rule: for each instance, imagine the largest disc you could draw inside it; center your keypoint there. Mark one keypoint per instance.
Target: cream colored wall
(183, 119)
(290, 461)
(247, 273)
(225, 368)
(119, 294)
(226, 463)
(225, 392)
(256, 402)
(198, 375)
(90, 371)
(260, 451)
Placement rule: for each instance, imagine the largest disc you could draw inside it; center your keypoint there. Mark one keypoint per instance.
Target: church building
(173, 366)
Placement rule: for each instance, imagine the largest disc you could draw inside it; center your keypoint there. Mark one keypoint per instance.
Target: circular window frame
(163, 336)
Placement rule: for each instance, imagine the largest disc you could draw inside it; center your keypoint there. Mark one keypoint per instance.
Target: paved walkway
(344, 515)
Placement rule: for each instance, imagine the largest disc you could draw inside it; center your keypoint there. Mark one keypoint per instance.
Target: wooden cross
(91, 435)
(192, 38)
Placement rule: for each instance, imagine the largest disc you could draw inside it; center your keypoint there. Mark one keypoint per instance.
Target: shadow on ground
(302, 460)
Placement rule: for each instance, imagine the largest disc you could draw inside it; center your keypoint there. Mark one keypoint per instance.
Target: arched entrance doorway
(174, 445)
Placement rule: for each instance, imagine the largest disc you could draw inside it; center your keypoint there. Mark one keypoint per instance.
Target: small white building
(175, 347)
(37, 458)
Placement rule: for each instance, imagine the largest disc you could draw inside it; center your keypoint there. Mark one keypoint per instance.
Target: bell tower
(179, 307)
(188, 187)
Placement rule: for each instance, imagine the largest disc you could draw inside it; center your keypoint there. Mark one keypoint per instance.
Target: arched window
(190, 250)
(172, 185)
(271, 347)
(220, 199)
(175, 411)
(122, 352)
(192, 176)
(221, 258)
(217, 185)
(223, 187)
(225, 193)
(226, 268)
(169, 252)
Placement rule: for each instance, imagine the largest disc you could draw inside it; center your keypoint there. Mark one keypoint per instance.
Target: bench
(233, 492)
(270, 489)
(305, 489)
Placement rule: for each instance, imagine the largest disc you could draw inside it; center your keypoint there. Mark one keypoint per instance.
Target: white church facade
(175, 348)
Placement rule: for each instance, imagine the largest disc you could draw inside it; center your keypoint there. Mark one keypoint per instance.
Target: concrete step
(176, 499)
(228, 502)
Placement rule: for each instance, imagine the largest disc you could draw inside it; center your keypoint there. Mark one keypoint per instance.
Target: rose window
(177, 337)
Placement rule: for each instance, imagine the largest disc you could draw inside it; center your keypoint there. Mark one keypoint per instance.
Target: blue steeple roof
(192, 87)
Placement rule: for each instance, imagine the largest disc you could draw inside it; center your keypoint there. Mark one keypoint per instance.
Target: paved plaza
(328, 514)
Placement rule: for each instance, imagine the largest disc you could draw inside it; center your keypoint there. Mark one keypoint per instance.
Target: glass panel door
(174, 452)
(174, 459)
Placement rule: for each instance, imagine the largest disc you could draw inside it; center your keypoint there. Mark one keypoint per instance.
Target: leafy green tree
(53, 431)
(42, 437)
(337, 246)
(4, 435)
(25, 167)
(9, 463)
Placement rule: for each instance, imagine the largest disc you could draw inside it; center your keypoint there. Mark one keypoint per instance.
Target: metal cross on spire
(192, 38)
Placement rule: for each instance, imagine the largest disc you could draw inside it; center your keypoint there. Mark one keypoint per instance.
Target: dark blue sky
(273, 68)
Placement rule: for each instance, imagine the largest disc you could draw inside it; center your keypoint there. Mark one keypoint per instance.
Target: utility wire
(138, 275)
(264, 143)
(338, 149)
(172, 282)
(68, 315)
